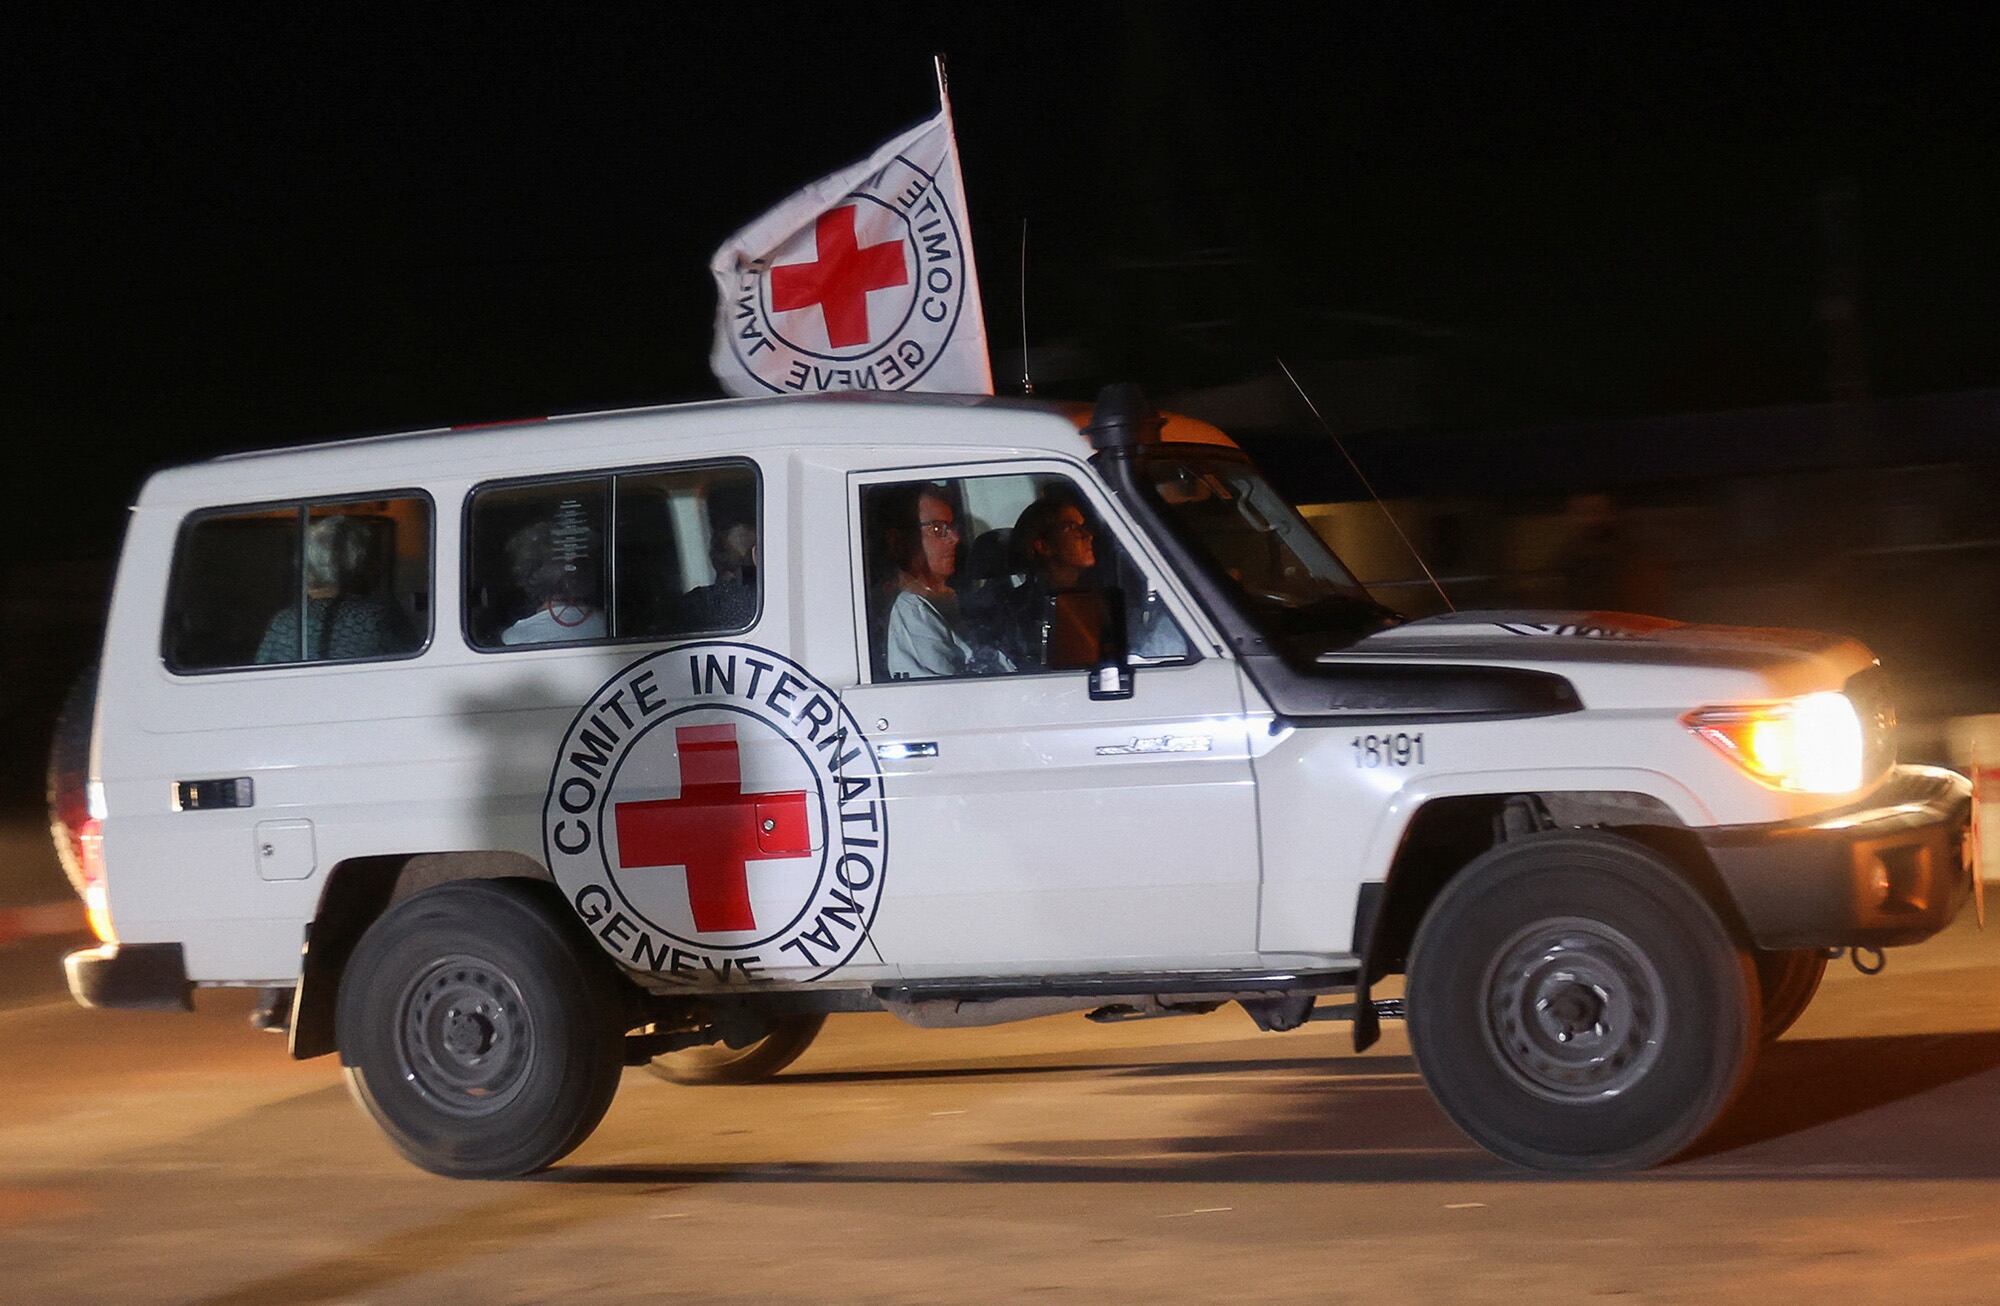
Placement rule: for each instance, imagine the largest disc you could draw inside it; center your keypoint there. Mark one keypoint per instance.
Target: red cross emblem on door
(840, 279)
(714, 829)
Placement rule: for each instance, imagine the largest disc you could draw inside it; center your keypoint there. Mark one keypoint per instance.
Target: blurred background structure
(1687, 312)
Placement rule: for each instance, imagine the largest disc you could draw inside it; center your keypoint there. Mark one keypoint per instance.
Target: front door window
(962, 573)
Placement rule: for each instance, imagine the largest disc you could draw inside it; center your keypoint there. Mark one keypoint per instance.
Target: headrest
(990, 557)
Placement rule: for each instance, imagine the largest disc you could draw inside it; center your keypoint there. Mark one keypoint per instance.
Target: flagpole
(958, 186)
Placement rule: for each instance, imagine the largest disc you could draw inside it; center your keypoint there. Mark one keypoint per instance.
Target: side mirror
(1086, 631)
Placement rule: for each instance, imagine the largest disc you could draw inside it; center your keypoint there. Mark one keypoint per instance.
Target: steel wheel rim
(464, 1038)
(1575, 1011)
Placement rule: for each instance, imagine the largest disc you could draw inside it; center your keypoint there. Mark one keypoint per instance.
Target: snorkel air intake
(1123, 419)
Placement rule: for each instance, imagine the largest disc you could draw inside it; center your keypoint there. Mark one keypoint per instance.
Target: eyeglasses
(939, 530)
(1072, 528)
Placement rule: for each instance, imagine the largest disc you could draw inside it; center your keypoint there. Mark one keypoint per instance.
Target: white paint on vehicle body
(1184, 827)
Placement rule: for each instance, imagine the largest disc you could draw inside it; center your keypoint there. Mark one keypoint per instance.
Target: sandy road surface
(183, 1158)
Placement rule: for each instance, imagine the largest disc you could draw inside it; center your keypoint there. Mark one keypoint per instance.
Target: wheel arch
(1575, 1003)
(1440, 834)
(358, 890)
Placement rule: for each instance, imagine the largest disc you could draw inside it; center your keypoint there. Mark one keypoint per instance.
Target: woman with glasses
(923, 639)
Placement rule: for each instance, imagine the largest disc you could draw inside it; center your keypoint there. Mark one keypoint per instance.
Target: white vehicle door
(1033, 827)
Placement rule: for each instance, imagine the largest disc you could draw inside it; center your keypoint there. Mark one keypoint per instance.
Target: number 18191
(1373, 751)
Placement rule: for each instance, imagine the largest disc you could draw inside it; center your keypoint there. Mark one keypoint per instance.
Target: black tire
(484, 1040)
(68, 772)
(1575, 1004)
(721, 1064)
(1787, 981)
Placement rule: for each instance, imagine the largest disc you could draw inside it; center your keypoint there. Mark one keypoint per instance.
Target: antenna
(1363, 478)
(1027, 382)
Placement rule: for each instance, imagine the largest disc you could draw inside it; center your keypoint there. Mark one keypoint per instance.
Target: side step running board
(1248, 983)
(1385, 1009)
(1120, 1012)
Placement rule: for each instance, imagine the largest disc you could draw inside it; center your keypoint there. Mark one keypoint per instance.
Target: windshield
(1222, 507)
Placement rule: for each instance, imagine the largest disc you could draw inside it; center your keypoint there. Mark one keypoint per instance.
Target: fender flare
(1399, 814)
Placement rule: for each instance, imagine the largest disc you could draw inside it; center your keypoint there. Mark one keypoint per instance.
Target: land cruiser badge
(716, 813)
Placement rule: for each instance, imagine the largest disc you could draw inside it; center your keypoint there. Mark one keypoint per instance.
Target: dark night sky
(291, 223)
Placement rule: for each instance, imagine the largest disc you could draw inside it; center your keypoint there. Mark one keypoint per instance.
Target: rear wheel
(720, 1064)
(483, 1041)
(1787, 980)
(1575, 1004)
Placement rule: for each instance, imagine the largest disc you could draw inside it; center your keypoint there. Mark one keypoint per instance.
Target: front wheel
(481, 1039)
(720, 1064)
(1575, 1004)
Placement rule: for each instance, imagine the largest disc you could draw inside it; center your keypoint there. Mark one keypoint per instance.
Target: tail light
(89, 835)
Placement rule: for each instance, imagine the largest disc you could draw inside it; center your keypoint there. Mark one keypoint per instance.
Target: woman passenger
(923, 638)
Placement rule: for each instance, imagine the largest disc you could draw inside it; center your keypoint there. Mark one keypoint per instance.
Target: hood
(1594, 637)
(1621, 659)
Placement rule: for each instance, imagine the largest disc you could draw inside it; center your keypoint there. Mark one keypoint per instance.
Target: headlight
(1811, 744)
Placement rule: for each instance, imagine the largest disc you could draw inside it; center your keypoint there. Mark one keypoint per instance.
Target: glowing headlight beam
(1809, 744)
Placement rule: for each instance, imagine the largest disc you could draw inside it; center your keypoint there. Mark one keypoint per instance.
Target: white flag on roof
(860, 281)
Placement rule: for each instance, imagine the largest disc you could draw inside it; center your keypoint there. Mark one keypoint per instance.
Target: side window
(962, 576)
(684, 547)
(688, 549)
(535, 569)
(347, 581)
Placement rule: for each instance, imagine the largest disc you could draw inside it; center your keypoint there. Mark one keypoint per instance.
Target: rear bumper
(1892, 869)
(136, 976)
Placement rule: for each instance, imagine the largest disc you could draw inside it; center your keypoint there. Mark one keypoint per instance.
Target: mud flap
(1367, 1023)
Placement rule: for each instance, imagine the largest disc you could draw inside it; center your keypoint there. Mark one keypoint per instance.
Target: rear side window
(636, 555)
(345, 581)
(537, 572)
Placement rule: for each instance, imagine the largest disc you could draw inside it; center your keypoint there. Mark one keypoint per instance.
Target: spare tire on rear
(69, 774)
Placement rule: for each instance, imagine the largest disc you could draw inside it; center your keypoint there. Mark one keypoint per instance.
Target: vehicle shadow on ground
(1262, 1120)
(1805, 1085)
(1815, 1109)
(1111, 1063)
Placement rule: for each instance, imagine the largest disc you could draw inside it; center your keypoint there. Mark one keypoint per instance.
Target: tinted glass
(328, 582)
(1222, 507)
(535, 570)
(961, 574)
(689, 548)
(232, 573)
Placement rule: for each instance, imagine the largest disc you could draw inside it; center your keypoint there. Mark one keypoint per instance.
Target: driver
(1055, 547)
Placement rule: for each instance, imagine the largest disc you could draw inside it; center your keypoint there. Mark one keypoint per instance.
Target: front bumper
(135, 976)
(1892, 869)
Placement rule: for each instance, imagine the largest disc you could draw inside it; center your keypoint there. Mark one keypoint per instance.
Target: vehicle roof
(639, 435)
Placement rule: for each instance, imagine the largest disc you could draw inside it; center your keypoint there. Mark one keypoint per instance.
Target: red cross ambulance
(506, 759)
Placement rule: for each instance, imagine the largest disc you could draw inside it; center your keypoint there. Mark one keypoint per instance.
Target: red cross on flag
(862, 280)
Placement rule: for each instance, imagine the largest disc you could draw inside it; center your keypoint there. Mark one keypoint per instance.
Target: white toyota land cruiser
(507, 759)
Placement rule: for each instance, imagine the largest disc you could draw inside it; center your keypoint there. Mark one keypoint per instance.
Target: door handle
(204, 795)
(904, 752)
